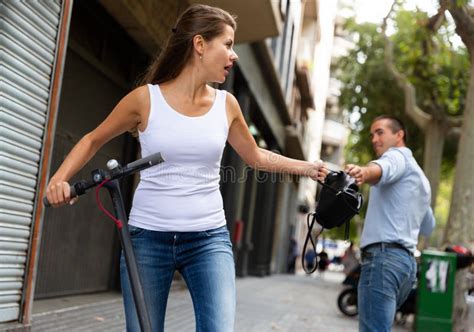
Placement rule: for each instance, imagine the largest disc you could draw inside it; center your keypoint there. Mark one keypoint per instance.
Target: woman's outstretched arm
(126, 115)
(244, 144)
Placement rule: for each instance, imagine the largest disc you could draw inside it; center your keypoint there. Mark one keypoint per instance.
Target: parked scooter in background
(347, 299)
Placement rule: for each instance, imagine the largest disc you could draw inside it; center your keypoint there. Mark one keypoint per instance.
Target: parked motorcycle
(347, 299)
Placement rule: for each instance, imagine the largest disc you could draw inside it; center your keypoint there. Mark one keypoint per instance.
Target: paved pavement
(275, 304)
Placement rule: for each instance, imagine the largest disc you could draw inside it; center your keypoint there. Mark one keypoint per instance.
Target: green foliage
(461, 3)
(369, 90)
(437, 69)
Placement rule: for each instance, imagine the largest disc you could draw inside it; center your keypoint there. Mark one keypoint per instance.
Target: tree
(460, 227)
(425, 74)
(369, 90)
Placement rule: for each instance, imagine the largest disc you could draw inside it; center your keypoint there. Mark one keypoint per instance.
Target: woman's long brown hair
(201, 20)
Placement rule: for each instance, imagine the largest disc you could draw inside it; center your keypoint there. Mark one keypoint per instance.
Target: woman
(177, 220)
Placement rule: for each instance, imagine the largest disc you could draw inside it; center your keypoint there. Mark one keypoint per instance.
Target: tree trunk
(433, 155)
(460, 226)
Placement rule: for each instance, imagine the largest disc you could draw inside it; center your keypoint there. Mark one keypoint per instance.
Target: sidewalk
(275, 303)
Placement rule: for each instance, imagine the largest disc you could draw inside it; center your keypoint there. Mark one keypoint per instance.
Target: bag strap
(346, 231)
(313, 243)
(360, 201)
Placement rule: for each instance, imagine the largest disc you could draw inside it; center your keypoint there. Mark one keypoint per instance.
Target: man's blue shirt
(399, 204)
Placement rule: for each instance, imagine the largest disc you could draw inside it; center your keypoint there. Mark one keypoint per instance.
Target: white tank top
(181, 194)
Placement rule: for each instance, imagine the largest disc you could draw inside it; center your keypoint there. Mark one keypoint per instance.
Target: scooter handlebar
(80, 187)
(146, 162)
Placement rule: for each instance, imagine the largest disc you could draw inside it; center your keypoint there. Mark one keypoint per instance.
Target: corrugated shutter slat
(6, 298)
(7, 217)
(8, 244)
(37, 53)
(20, 137)
(18, 165)
(44, 15)
(23, 124)
(8, 271)
(14, 205)
(22, 95)
(23, 82)
(22, 111)
(9, 190)
(24, 66)
(10, 259)
(9, 147)
(52, 5)
(31, 23)
(38, 21)
(17, 177)
(7, 284)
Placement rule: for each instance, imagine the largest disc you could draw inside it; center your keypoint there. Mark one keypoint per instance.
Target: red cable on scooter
(117, 222)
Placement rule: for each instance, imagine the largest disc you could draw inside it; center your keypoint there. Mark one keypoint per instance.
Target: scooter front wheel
(347, 302)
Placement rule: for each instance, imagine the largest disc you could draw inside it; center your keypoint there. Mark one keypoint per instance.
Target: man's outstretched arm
(370, 174)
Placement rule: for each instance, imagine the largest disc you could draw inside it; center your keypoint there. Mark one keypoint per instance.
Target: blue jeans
(387, 276)
(205, 261)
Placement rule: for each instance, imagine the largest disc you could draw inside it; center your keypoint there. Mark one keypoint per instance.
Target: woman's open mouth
(227, 69)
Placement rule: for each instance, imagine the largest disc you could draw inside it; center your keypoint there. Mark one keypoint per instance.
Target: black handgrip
(149, 161)
(79, 188)
(73, 194)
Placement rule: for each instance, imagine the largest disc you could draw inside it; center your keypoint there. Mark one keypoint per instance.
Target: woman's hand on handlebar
(59, 193)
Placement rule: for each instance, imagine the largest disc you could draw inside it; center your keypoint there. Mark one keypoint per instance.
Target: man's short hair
(395, 125)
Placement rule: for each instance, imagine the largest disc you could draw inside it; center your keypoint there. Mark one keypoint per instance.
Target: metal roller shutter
(28, 33)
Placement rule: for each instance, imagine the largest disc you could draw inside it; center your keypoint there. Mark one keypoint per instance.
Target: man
(398, 211)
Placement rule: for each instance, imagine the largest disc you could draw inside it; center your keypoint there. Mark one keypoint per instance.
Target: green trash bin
(436, 292)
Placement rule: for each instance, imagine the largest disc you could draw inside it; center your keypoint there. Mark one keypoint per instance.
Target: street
(274, 303)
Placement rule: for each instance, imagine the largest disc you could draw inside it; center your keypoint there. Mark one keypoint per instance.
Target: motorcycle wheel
(347, 302)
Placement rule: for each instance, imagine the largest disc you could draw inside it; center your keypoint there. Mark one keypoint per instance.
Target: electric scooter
(110, 180)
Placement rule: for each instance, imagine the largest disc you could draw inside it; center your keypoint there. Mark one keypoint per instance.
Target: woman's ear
(198, 43)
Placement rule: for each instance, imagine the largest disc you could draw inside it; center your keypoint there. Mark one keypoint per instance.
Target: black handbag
(339, 201)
